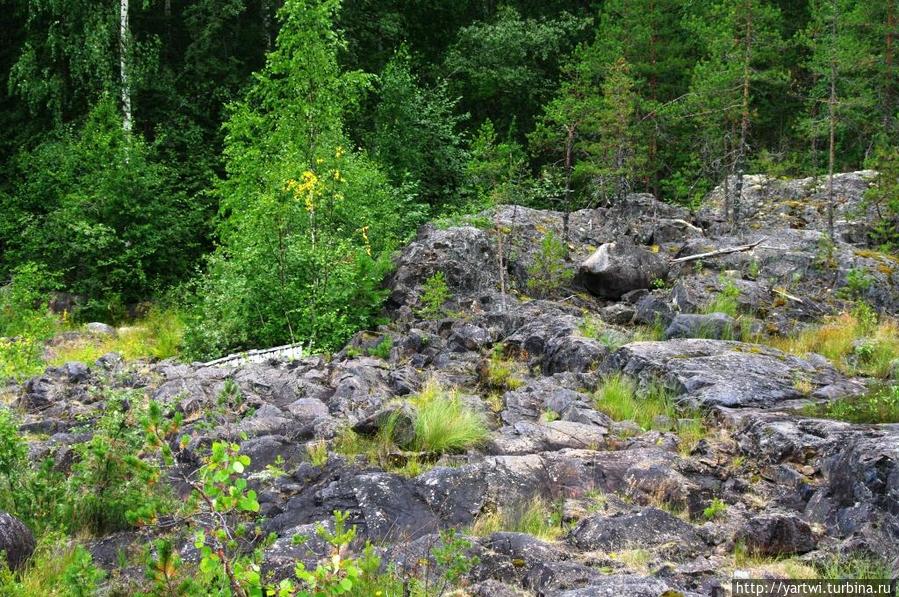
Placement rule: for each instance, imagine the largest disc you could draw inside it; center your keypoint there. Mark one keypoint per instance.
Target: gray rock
(400, 415)
(16, 540)
(76, 372)
(619, 313)
(719, 372)
(647, 528)
(713, 325)
(100, 329)
(619, 267)
(777, 534)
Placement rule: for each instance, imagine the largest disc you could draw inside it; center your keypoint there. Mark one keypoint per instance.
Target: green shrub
(858, 281)
(548, 272)
(112, 485)
(382, 349)
(724, 301)
(715, 509)
(94, 207)
(434, 294)
(308, 225)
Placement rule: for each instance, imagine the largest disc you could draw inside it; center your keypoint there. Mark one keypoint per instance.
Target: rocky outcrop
(721, 373)
(655, 508)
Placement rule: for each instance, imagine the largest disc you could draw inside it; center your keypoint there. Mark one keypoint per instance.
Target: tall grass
(158, 335)
(856, 343)
(443, 423)
(651, 408)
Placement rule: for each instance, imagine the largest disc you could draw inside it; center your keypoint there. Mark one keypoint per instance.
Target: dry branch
(724, 251)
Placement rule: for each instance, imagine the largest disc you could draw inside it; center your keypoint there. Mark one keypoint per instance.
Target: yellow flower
(339, 152)
(337, 175)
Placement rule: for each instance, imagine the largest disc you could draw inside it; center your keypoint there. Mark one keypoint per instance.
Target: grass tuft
(536, 517)
(651, 408)
(443, 423)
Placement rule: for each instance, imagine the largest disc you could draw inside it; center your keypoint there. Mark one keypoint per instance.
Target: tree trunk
(123, 66)
(744, 116)
(569, 150)
(888, 62)
(831, 109)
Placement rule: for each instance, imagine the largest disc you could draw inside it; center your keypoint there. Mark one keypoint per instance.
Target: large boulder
(617, 268)
(16, 540)
(777, 534)
(699, 325)
(647, 528)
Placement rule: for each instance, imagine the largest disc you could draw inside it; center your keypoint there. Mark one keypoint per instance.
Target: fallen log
(724, 251)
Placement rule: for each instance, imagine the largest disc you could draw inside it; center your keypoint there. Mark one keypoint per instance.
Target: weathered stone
(16, 540)
(619, 267)
(718, 372)
(713, 325)
(777, 534)
(647, 528)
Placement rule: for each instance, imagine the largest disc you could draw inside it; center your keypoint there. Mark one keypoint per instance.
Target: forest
(252, 164)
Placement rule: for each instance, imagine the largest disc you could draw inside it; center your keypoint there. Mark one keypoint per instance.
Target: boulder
(647, 528)
(619, 267)
(777, 534)
(16, 540)
(696, 325)
(100, 329)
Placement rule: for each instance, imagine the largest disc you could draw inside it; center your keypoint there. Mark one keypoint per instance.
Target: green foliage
(715, 509)
(25, 322)
(382, 349)
(883, 198)
(308, 226)
(880, 405)
(858, 281)
(111, 485)
(496, 170)
(504, 67)
(726, 300)
(97, 211)
(548, 274)
(433, 296)
(81, 576)
(415, 133)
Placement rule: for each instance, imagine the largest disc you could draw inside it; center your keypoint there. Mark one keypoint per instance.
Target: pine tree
(742, 64)
(842, 100)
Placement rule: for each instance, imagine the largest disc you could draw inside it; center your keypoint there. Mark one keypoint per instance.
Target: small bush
(548, 273)
(724, 301)
(443, 423)
(434, 294)
(715, 509)
(382, 349)
(858, 281)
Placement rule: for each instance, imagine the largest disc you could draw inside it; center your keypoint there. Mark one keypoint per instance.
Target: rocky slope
(630, 503)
